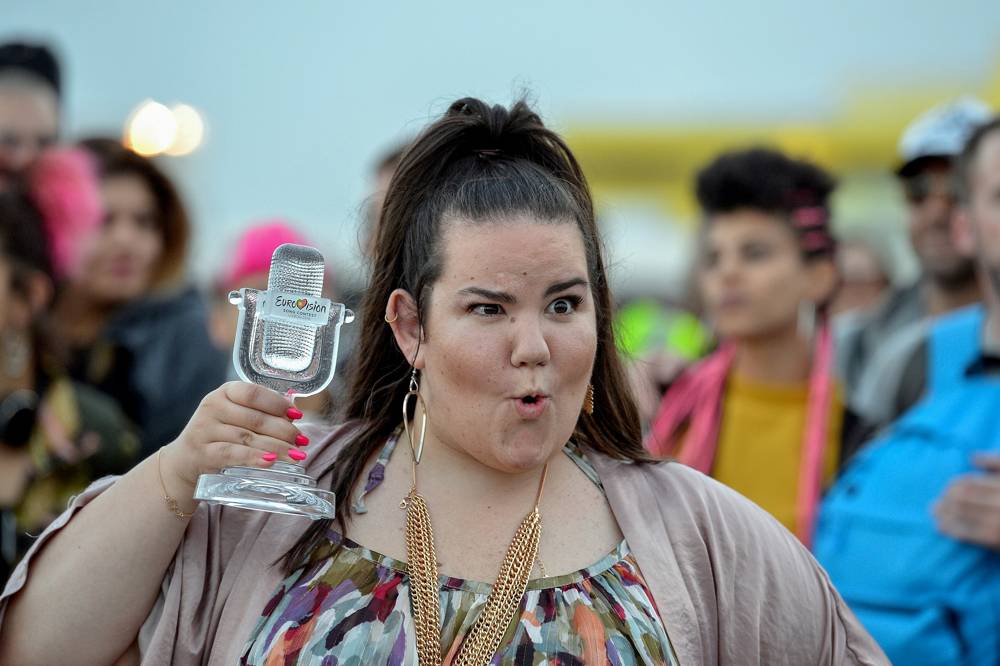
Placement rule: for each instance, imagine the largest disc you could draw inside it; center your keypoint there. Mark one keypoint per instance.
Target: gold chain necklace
(504, 599)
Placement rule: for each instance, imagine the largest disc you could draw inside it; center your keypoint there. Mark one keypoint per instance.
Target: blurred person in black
(29, 106)
(137, 333)
(385, 167)
(56, 435)
(352, 293)
(928, 149)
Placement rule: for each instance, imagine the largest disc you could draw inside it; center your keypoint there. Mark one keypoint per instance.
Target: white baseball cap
(940, 132)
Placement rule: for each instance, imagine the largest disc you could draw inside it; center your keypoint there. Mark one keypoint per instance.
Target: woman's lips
(732, 302)
(531, 408)
(122, 269)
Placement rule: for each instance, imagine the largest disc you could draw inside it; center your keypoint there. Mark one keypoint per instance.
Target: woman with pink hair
(762, 414)
(136, 329)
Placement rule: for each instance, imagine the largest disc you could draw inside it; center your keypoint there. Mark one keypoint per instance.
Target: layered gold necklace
(504, 599)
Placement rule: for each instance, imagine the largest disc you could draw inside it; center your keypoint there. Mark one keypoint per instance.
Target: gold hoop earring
(395, 316)
(418, 449)
(588, 402)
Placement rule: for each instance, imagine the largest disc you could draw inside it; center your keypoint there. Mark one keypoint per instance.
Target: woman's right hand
(110, 559)
(236, 424)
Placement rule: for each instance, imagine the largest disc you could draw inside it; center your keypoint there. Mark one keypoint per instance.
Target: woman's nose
(728, 268)
(120, 230)
(529, 344)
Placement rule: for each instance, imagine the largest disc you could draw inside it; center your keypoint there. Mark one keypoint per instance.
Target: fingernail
(295, 454)
(293, 413)
(269, 457)
(301, 440)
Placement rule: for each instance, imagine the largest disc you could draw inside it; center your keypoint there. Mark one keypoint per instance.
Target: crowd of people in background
(860, 414)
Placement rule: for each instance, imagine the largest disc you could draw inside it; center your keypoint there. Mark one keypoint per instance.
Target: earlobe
(40, 291)
(824, 278)
(402, 315)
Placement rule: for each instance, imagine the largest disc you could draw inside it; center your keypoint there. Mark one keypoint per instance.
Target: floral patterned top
(351, 607)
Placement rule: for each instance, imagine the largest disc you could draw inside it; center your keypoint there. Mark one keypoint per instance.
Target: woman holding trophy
(493, 502)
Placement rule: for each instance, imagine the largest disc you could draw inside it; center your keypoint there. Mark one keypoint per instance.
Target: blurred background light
(190, 130)
(151, 129)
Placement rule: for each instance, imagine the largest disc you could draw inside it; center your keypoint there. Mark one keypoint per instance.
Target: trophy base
(283, 488)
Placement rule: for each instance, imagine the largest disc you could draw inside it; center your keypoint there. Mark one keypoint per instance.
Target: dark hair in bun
(477, 164)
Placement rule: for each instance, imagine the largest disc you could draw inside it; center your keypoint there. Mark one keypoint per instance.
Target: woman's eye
(756, 252)
(563, 306)
(486, 309)
(147, 222)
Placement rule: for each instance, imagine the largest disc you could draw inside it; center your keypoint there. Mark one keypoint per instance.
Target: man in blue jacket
(910, 533)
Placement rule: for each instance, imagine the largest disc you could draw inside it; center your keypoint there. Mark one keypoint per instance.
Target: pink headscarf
(254, 249)
(63, 184)
(691, 414)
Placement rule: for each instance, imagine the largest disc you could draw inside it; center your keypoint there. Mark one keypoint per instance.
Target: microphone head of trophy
(287, 341)
(287, 336)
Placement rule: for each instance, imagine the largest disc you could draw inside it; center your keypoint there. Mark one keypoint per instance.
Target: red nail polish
(269, 457)
(293, 413)
(295, 454)
(301, 440)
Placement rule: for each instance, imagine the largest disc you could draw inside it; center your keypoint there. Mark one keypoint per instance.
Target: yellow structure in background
(658, 163)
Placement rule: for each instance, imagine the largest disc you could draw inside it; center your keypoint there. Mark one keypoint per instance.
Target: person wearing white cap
(869, 354)
(910, 531)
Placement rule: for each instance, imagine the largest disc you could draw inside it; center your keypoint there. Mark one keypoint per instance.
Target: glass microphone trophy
(287, 341)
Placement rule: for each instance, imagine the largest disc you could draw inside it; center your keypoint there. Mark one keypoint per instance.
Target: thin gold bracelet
(172, 504)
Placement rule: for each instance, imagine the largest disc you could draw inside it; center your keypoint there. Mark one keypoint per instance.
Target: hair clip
(809, 216)
(817, 241)
(486, 153)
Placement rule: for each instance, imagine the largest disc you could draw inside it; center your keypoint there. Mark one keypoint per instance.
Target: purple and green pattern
(351, 607)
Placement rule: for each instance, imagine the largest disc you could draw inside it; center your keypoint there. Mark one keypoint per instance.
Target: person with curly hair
(762, 414)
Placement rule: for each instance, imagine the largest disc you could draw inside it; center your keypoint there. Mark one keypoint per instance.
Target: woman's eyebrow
(563, 286)
(499, 296)
(510, 299)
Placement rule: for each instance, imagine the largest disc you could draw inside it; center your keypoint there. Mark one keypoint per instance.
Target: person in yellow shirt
(762, 414)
